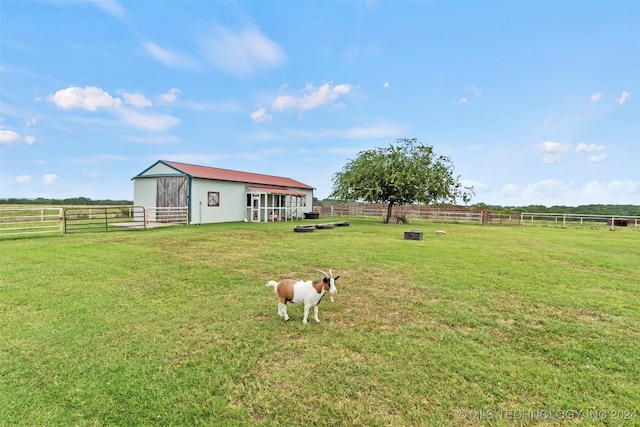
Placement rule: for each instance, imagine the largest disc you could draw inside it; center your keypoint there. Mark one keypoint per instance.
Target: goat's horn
(325, 274)
(330, 273)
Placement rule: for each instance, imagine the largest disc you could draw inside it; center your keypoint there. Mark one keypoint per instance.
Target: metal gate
(171, 192)
(111, 218)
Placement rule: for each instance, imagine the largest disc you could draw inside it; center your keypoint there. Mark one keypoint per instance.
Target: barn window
(213, 198)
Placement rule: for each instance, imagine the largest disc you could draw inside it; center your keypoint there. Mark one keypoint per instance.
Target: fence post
(60, 218)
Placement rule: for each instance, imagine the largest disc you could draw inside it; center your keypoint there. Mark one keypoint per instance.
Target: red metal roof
(272, 190)
(207, 172)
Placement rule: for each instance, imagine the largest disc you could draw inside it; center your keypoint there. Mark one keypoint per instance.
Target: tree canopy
(406, 172)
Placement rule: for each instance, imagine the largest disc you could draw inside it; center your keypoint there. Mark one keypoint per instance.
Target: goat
(303, 292)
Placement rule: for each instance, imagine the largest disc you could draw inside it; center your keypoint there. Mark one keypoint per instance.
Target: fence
(111, 218)
(575, 220)
(16, 221)
(403, 213)
(171, 215)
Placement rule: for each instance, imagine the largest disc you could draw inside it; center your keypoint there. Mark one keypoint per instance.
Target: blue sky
(534, 102)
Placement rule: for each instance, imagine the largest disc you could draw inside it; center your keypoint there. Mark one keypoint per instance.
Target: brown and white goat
(303, 292)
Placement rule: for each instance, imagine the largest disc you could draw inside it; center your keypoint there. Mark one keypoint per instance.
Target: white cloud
(558, 192)
(510, 190)
(596, 97)
(137, 100)
(260, 116)
(589, 148)
(23, 179)
(88, 98)
(478, 187)
(313, 98)
(31, 122)
(49, 178)
(623, 98)
(170, 97)
(553, 151)
(463, 100)
(148, 121)
(550, 147)
(547, 189)
(386, 85)
(170, 58)
(8, 136)
(29, 139)
(241, 52)
(597, 158)
(112, 7)
(598, 190)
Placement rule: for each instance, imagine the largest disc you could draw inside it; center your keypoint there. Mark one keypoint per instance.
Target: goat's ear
(336, 278)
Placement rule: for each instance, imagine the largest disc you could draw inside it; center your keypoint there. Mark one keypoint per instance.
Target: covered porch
(266, 204)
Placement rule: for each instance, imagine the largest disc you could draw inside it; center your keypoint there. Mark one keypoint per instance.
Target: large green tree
(406, 172)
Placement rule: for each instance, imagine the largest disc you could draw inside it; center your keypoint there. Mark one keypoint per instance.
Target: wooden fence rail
(17, 221)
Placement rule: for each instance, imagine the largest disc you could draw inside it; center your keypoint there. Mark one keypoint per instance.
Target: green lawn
(175, 326)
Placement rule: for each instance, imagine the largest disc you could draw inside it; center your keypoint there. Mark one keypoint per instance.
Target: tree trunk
(389, 209)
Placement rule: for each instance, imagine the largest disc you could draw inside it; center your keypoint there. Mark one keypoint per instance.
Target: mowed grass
(175, 326)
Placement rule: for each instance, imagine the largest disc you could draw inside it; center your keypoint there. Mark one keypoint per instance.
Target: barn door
(172, 192)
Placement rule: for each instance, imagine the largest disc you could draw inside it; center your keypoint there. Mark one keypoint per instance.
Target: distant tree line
(83, 201)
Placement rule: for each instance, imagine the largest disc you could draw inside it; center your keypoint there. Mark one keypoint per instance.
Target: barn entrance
(171, 192)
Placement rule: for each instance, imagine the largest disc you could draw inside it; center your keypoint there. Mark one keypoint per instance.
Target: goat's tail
(274, 284)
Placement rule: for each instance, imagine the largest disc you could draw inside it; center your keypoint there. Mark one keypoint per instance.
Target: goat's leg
(315, 314)
(284, 311)
(280, 311)
(306, 313)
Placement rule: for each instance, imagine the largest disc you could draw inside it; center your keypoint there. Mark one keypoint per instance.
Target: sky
(534, 102)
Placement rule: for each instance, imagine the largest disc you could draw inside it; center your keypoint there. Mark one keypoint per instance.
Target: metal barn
(221, 195)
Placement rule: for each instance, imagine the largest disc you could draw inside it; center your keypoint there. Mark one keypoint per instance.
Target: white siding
(144, 193)
(232, 201)
(309, 193)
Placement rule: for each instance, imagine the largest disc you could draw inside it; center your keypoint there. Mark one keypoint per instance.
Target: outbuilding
(221, 195)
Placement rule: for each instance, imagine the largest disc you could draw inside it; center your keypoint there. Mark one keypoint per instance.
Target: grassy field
(175, 326)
